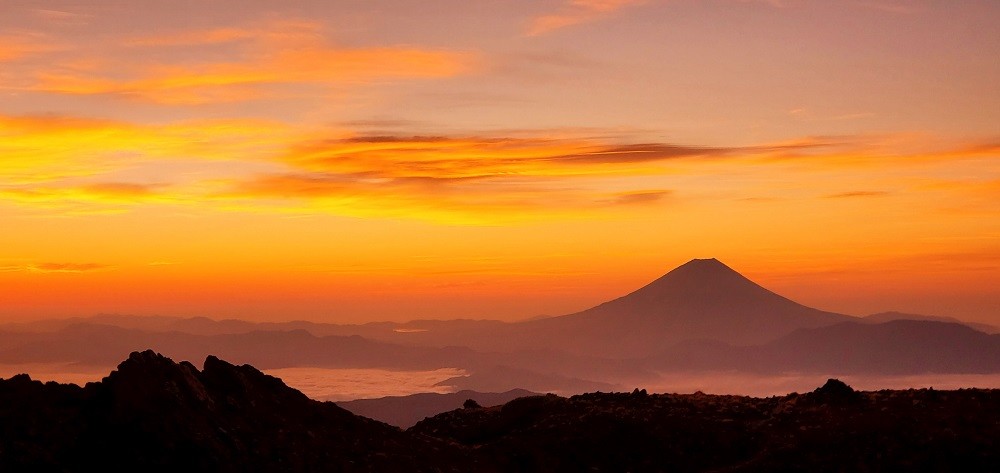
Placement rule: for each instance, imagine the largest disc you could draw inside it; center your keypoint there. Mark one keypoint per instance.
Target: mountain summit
(703, 282)
(701, 299)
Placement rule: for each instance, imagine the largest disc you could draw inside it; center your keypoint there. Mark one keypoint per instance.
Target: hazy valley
(702, 326)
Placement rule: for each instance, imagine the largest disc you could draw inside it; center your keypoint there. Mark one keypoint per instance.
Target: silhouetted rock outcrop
(835, 391)
(156, 415)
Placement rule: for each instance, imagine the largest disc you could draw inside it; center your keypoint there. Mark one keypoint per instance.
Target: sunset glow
(360, 161)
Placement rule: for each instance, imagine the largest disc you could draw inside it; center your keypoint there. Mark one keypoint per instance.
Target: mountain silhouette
(898, 347)
(153, 414)
(882, 317)
(404, 411)
(701, 299)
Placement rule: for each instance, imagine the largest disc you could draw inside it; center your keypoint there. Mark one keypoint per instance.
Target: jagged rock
(152, 414)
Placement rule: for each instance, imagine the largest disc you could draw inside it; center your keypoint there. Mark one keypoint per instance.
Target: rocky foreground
(156, 415)
(831, 429)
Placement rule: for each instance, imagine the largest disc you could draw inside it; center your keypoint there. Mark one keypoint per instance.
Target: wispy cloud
(63, 17)
(895, 7)
(67, 267)
(69, 164)
(20, 46)
(55, 267)
(476, 179)
(575, 12)
(459, 179)
(104, 193)
(483, 157)
(40, 148)
(855, 194)
(639, 197)
(265, 60)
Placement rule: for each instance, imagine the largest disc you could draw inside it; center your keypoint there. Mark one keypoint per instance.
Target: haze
(384, 160)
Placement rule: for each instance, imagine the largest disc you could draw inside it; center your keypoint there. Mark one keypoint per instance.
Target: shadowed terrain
(833, 428)
(404, 411)
(152, 414)
(156, 415)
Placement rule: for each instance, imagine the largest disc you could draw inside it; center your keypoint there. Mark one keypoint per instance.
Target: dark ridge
(152, 414)
(835, 387)
(914, 430)
(404, 411)
(835, 391)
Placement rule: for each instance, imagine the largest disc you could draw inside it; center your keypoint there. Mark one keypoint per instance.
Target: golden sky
(390, 160)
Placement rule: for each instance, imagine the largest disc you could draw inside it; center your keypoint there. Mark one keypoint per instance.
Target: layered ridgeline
(701, 316)
(156, 415)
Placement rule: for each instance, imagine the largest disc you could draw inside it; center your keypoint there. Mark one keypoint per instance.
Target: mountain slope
(702, 299)
(156, 415)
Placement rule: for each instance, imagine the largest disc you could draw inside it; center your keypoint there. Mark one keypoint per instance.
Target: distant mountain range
(883, 317)
(152, 414)
(405, 411)
(891, 348)
(701, 316)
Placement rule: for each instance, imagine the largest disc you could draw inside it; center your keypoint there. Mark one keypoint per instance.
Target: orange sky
(356, 161)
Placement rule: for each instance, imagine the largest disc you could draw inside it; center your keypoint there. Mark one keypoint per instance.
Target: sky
(353, 161)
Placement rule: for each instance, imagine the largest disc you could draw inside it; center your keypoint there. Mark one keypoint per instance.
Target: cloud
(461, 179)
(264, 35)
(898, 8)
(575, 12)
(62, 16)
(40, 148)
(196, 38)
(55, 267)
(639, 153)
(439, 200)
(60, 165)
(479, 157)
(16, 47)
(105, 192)
(854, 194)
(639, 197)
(262, 62)
(465, 179)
